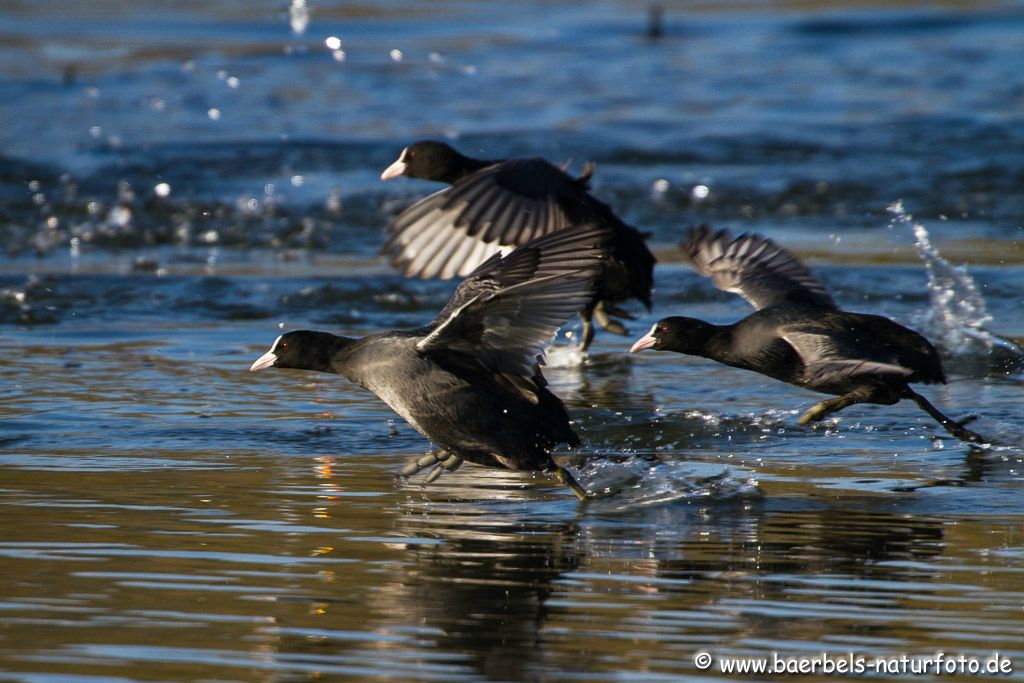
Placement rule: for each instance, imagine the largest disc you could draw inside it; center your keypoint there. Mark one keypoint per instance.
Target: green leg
(566, 478)
(832, 405)
(588, 331)
(607, 322)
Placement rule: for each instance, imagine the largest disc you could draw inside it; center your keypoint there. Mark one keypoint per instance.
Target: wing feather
(754, 267)
(510, 308)
(503, 205)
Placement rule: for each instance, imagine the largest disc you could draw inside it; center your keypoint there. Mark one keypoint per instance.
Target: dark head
(682, 335)
(302, 350)
(432, 160)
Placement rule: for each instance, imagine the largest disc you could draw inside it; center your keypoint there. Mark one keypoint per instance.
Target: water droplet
(298, 16)
(95, 131)
(396, 55)
(120, 216)
(334, 200)
(661, 186)
(297, 181)
(233, 82)
(339, 55)
(700, 192)
(213, 113)
(333, 42)
(162, 189)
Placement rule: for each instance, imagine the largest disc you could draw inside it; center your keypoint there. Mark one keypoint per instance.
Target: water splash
(957, 315)
(636, 480)
(571, 356)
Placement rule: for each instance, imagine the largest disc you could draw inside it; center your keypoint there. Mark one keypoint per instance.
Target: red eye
(412, 156)
(284, 345)
(662, 328)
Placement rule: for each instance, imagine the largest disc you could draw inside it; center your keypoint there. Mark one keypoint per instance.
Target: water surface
(178, 185)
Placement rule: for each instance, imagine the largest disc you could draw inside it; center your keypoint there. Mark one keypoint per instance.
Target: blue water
(179, 184)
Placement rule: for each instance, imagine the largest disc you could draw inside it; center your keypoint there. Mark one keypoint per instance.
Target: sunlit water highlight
(180, 184)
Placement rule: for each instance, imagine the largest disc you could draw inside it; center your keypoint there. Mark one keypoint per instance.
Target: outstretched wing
(510, 308)
(498, 208)
(834, 355)
(754, 267)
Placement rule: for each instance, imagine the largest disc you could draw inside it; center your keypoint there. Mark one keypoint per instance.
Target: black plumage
(497, 205)
(798, 334)
(470, 381)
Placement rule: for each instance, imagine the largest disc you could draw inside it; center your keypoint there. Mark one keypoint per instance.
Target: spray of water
(957, 315)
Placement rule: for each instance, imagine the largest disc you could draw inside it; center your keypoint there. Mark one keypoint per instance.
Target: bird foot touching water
(440, 461)
(565, 476)
(954, 427)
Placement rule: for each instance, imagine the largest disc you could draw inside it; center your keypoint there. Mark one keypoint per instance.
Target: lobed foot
(440, 461)
(449, 464)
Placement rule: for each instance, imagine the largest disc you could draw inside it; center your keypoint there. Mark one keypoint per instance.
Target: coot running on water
(499, 205)
(470, 381)
(798, 334)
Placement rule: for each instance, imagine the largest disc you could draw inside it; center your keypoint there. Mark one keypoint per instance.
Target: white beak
(267, 360)
(644, 342)
(396, 169)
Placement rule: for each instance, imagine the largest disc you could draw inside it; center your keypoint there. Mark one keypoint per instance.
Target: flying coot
(501, 204)
(798, 334)
(470, 381)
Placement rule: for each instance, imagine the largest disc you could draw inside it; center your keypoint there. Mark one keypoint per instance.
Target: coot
(798, 334)
(497, 205)
(470, 381)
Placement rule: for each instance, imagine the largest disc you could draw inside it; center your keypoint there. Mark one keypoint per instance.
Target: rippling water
(179, 184)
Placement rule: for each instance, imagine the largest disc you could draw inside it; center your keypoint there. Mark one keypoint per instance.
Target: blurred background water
(179, 183)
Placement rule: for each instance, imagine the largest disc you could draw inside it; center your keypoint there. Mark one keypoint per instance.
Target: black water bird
(798, 334)
(470, 381)
(500, 204)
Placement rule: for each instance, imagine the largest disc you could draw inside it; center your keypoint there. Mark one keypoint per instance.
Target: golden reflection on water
(266, 534)
(484, 573)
